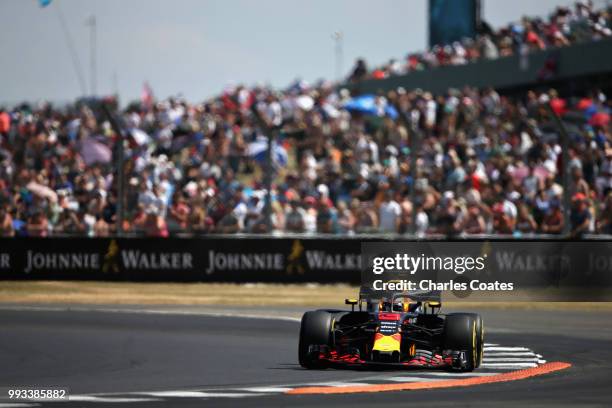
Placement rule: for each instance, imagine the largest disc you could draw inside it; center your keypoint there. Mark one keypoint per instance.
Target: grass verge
(260, 294)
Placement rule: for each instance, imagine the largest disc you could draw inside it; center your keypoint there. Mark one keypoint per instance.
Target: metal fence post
(563, 135)
(119, 164)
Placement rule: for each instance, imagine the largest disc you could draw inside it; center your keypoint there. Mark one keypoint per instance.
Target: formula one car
(395, 331)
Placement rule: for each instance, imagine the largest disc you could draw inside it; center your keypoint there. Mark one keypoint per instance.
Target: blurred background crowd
(565, 26)
(486, 163)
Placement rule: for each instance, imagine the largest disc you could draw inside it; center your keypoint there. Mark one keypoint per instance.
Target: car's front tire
(463, 332)
(479, 339)
(315, 329)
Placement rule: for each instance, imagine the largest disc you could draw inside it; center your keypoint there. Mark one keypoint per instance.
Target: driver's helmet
(398, 305)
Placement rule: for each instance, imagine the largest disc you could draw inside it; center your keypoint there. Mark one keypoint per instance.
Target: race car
(398, 331)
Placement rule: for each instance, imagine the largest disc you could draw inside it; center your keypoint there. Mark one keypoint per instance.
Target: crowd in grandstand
(565, 26)
(486, 163)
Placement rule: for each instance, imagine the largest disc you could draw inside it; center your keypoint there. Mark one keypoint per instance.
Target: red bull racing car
(398, 331)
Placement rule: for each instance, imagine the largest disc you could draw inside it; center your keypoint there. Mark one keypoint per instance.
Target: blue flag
(44, 3)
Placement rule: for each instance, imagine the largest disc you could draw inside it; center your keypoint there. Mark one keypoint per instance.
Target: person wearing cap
(326, 216)
(503, 222)
(580, 215)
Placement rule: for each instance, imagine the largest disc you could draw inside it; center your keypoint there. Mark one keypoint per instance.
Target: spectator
(229, 224)
(563, 27)
(604, 225)
(294, 221)
(346, 219)
(6, 223)
(580, 216)
(525, 222)
(389, 214)
(406, 216)
(474, 222)
(487, 163)
(101, 227)
(448, 217)
(325, 217)
(553, 221)
(310, 215)
(579, 184)
(504, 218)
(37, 225)
(359, 71)
(69, 223)
(367, 220)
(154, 225)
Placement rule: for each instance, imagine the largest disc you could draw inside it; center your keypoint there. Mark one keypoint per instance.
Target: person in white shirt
(389, 214)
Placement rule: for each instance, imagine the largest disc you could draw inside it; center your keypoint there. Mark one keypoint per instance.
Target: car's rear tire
(315, 329)
(460, 334)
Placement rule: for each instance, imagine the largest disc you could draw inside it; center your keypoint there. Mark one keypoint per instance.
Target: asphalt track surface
(107, 353)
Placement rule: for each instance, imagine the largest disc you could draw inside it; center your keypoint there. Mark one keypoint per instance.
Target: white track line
(498, 366)
(510, 360)
(506, 349)
(339, 384)
(451, 375)
(92, 398)
(198, 394)
(412, 379)
(516, 354)
(17, 405)
(265, 389)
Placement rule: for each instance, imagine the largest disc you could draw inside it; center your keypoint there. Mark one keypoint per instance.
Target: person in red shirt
(378, 74)
(5, 125)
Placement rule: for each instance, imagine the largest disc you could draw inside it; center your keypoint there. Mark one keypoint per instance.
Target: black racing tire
(460, 335)
(479, 339)
(315, 329)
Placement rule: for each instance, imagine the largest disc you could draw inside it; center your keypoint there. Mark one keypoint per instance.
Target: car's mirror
(433, 305)
(352, 302)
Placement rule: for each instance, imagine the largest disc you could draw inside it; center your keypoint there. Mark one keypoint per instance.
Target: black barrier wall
(255, 259)
(196, 260)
